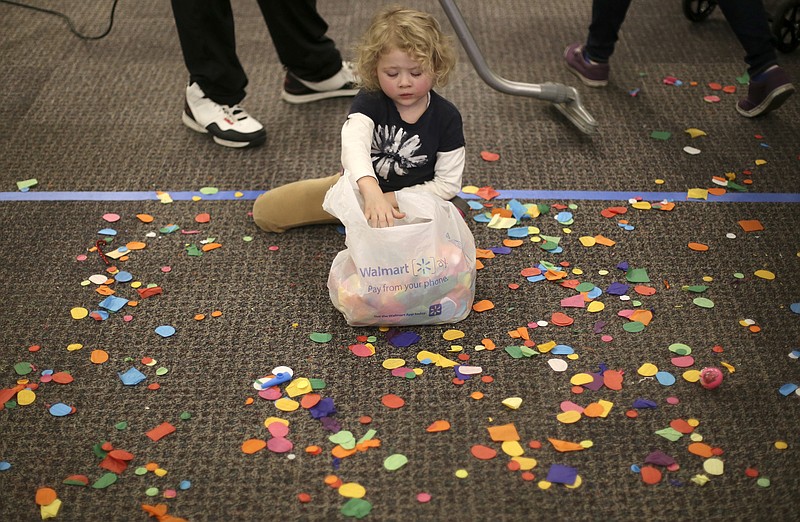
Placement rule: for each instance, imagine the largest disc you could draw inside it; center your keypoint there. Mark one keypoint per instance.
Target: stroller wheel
(786, 26)
(698, 10)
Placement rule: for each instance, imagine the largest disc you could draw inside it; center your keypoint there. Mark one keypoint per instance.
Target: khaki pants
(294, 205)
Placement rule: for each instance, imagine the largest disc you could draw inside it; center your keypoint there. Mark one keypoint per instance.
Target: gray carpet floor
(104, 116)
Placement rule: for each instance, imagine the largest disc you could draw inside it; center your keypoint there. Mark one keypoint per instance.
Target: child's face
(403, 79)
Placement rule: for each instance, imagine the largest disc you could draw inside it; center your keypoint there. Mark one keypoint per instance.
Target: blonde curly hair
(416, 33)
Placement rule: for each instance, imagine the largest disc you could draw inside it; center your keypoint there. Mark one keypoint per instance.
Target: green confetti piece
(151, 492)
(395, 462)
(121, 425)
(98, 451)
(318, 337)
(105, 481)
(670, 434)
(528, 352)
(637, 275)
(763, 482)
(74, 482)
(738, 275)
(186, 415)
(703, 302)
(169, 229)
(247, 239)
(10, 404)
(633, 327)
(698, 289)
(371, 339)
(24, 185)
(661, 135)
(23, 368)
(193, 251)
(356, 507)
(585, 287)
(141, 470)
(636, 303)
(744, 79)
(343, 438)
(317, 384)
(162, 371)
(514, 351)
(209, 190)
(369, 435)
(680, 348)
(410, 375)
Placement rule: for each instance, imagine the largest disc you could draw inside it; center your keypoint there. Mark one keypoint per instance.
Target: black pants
(207, 37)
(748, 20)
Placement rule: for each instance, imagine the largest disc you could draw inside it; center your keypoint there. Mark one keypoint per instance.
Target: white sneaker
(229, 126)
(343, 83)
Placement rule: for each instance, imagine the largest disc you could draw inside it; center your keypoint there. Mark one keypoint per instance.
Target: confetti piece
(438, 426)
(489, 156)
(395, 462)
(481, 452)
(698, 247)
(160, 431)
(45, 496)
(694, 133)
(392, 401)
(764, 274)
(751, 225)
(483, 305)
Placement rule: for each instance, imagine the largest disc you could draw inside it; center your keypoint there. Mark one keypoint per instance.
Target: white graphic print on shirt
(393, 151)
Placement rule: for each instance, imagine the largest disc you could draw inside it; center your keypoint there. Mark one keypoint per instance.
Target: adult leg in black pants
(769, 84)
(217, 80)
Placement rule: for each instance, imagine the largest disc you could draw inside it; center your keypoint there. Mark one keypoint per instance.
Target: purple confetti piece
(623, 266)
(617, 288)
(640, 404)
(659, 458)
(558, 474)
(323, 408)
(400, 339)
(598, 327)
(502, 250)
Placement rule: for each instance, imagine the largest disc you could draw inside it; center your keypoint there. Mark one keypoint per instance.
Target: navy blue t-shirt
(404, 154)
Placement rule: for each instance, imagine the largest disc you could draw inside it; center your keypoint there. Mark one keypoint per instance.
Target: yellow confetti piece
(695, 133)
(659, 181)
(579, 379)
(160, 472)
(587, 241)
(352, 490)
(693, 422)
(455, 348)
(285, 404)
(299, 386)
(607, 405)
(164, 197)
(647, 370)
(586, 444)
(462, 473)
(569, 417)
(525, 463)
(196, 198)
(512, 448)
(697, 193)
(79, 312)
(500, 223)
(452, 335)
(546, 347)
(764, 274)
(470, 189)
(74, 346)
(714, 466)
(595, 306)
(391, 364)
(728, 366)
(781, 445)
(25, 397)
(642, 205)
(512, 402)
(761, 162)
(543, 484)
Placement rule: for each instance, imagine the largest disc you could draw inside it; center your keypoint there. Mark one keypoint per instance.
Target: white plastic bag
(420, 271)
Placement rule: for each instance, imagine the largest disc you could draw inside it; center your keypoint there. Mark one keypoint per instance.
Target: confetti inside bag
(420, 271)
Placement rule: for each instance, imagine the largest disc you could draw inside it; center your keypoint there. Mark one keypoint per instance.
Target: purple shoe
(766, 94)
(591, 74)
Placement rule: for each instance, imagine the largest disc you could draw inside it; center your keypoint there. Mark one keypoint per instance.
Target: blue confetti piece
(481, 218)
(113, 303)
(535, 278)
(165, 330)
(60, 409)
(518, 232)
(795, 307)
(635, 468)
(665, 378)
(107, 232)
(594, 293)
(565, 218)
(5, 466)
(185, 484)
(475, 205)
(123, 277)
(131, 377)
(562, 349)
(518, 210)
(99, 315)
(787, 389)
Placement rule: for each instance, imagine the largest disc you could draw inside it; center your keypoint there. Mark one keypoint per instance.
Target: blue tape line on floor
(560, 195)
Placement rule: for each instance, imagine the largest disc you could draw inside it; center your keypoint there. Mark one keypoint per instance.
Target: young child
(399, 133)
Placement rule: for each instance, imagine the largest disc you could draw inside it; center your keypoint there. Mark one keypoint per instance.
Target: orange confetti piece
(651, 475)
(642, 316)
(136, 245)
(489, 156)
(751, 225)
(145, 218)
(612, 379)
(563, 445)
(478, 264)
(313, 450)
(698, 247)
(62, 378)
(98, 356)
(45, 496)
(160, 431)
(483, 305)
(481, 253)
(701, 449)
(502, 212)
(561, 319)
(644, 290)
(437, 426)
(310, 400)
(341, 453)
(210, 246)
(503, 433)
(251, 446)
(488, 343)
(530, 271)
(248, 401)
(390, 400)
(602, 240)
(681, 426)
(594, 409)
(487, 193)
(204, 217)
(476, 395)
(717, 191)
(481, 452)
(512, 243)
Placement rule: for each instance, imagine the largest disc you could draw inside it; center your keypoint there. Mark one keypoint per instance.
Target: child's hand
(379, 208)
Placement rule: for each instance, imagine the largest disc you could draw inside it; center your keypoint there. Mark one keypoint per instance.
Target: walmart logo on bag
(427, 265)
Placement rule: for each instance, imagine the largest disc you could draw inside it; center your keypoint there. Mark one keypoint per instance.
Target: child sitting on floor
(399, 132)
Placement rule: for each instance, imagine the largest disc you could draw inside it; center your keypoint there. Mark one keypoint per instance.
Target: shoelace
(235, 113)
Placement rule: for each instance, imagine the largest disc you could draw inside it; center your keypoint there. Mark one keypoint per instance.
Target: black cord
(67, 19)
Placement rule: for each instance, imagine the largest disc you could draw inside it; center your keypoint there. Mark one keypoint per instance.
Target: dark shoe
(343, 83)
(591, 74)
(229, 126)
(766, 94)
